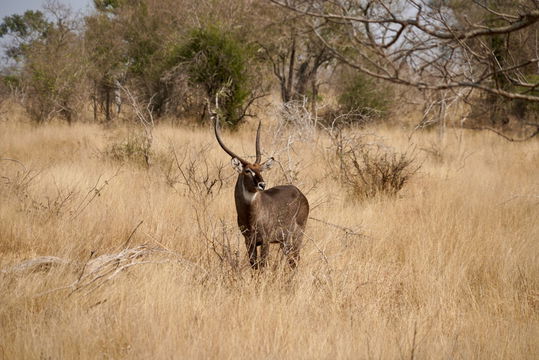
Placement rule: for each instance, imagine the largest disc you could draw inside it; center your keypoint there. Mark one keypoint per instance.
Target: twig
(86, 263)
(96, 191)
(15, 161)
(516, 197)
(347, 230)
(412, 353)
(131, 235)
(326, 260)
(507, 137)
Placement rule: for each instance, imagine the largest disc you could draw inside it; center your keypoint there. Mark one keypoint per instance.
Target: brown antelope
(276, 215)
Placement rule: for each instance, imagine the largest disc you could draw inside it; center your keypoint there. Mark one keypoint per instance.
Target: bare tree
(432, 45)
(294, 51)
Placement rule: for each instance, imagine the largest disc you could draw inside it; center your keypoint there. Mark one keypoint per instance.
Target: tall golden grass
(448, 268)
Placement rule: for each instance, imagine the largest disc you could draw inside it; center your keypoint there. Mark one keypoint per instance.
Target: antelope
(276, 215)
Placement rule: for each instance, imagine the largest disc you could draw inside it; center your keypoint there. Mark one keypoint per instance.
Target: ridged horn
(258, 153)
(217, 128)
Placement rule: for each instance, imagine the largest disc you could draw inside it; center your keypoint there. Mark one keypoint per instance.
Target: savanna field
(103, 256)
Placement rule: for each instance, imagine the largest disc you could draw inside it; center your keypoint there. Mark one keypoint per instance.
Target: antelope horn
(258, 154)
(218, 136)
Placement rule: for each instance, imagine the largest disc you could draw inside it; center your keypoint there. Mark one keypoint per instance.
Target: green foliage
(107, 5)
(499, 112)
(11, 81)
(531, 79)
(26, 28)
(31, 22)
(526, 110)
(51, 93)
(143, 39)
(218, 61)
(51, 69)
(104, 44)
(363, 99)
(53, 76)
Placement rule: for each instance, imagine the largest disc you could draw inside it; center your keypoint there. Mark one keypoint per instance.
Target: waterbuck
(276, 215)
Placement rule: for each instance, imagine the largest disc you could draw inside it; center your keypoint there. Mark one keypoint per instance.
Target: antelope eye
(250, 172)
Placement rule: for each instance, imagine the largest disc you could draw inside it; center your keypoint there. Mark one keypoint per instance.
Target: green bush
(362, 99)
(218, 61)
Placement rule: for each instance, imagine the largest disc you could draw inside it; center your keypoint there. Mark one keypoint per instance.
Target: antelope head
(252, 172)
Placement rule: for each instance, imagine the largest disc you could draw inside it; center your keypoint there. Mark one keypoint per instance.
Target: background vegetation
(173, 56)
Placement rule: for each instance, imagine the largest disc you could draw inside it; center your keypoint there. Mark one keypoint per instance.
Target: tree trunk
(287, 96)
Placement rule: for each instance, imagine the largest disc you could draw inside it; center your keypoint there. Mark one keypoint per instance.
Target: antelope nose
(261, 186)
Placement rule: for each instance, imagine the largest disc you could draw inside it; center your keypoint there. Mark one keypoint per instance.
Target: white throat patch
(248, 196)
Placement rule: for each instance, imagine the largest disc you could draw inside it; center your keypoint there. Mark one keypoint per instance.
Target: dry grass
(447, 269)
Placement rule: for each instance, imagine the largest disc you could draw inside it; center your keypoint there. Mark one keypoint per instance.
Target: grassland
(448, 268)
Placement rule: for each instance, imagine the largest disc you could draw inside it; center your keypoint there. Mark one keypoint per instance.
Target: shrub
(134, 148)
(371, 169)
(362, 99)
(217, 61)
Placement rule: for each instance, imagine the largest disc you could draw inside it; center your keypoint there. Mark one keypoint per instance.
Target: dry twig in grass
(96, 272)
(94, 192)
(346, 230)
(531, 135)
(20, 182)
(42, 263)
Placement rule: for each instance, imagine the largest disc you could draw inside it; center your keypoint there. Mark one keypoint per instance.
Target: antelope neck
(243, 193)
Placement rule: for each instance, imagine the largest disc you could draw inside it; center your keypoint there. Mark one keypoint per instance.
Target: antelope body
(276, 215)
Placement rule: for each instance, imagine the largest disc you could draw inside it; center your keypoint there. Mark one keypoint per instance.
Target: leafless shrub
(141, 144)
(295, 124)
(297, 115)
(95, 191)
(441, 109)
(435, 151)
(19, 182)
(224, 242)
(57, 205)
(193, 175)
(134, 148)
(197, 179)
(65, 201)
(370, 168)
(137, 146)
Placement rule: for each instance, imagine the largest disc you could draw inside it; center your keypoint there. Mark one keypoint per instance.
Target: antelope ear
(237, 165)
(267, 164)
